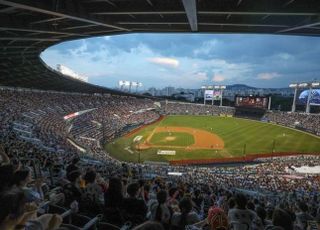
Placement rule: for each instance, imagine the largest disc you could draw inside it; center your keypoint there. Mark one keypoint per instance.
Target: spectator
(240, 214)
(186, 216)
(159, 210)
(113, 202)
(15, 213)
(134, 209)
(303, 216)
(71, 190)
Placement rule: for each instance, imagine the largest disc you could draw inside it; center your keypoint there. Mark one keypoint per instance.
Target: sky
(191, 60)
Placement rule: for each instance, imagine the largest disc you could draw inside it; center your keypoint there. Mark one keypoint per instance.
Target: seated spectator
(134, 209)
(281, 219)
(240, 215)
(22, 178)
(186, 216)
(15, 213)
(71, 190)
(6, 176)
(92, 196)
(216, 220)
(74, 165)
(197, 199)
(262, 214)
(303, 216)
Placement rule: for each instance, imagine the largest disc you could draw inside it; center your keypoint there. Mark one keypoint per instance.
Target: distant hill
(246, 87)
(239, 87)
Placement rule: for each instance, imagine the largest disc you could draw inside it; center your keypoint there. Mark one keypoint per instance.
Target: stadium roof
(28, 27)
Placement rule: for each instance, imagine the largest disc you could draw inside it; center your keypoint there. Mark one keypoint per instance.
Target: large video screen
(252, 101)
(314, 99)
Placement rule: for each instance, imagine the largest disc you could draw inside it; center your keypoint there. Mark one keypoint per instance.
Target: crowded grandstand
(60, 165)
(55, 172)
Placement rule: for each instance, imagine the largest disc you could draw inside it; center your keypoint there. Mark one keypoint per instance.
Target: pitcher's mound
(170, 138)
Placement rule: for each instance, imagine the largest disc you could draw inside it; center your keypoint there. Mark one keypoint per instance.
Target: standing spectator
(113, 201)
(186, 216)
(159, 210)
(134, 209)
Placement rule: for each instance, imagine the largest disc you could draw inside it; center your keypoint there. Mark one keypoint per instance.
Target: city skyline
(191, 60)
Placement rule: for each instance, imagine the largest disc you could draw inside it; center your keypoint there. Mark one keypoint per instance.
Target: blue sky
(191, 60)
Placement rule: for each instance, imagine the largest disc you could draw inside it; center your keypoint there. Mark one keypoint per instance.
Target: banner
(217, 95)
(166, 152)
(314, 97)
(208, 95)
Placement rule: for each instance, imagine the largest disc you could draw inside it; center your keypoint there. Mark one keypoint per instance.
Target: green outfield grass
(178, 139)
(241, 137)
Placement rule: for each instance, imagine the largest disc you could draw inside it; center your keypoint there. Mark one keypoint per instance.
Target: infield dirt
(202, 139)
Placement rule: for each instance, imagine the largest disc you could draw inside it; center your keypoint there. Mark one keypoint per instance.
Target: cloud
(206, 48)
(171, 62)
(201, 76)
(189, 61)
(268, 76)
(218, 78)
(285, 56)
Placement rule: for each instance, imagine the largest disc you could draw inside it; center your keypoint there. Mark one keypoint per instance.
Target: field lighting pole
(309, 98)
(295, 86)
(311, 86)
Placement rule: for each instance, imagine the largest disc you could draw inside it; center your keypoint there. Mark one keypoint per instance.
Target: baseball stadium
(159, 115)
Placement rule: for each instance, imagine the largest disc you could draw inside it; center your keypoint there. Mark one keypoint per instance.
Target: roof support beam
(262, 13)
(259, 13)
(7, 9)
(78, 27)
(303, 26)
(204, 24)
(190, 7)
(39, 31)
(28, 39)
(48, 20)
(58, 14)
(139, 13)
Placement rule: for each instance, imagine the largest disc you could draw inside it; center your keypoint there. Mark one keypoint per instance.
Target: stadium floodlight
(293, 85)
(302, 85)
(315, 84)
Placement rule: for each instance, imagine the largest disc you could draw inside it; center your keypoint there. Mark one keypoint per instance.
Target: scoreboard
(252, 102)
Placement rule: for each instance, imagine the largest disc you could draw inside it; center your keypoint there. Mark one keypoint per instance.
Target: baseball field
(206, 137)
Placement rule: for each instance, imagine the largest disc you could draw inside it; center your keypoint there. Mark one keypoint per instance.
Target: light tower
(302, 85)
(295, 86)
